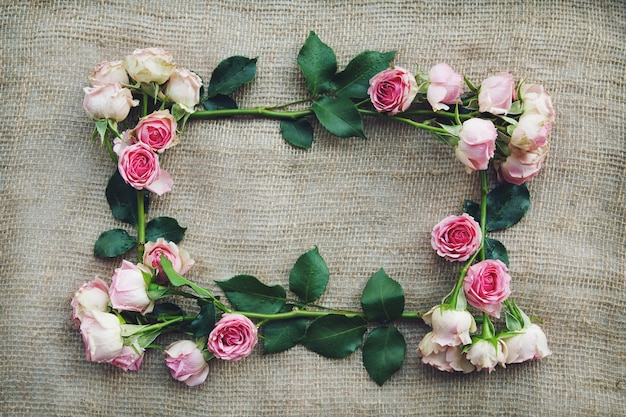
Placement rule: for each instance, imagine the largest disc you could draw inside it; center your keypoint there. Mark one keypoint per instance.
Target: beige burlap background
(253, 204)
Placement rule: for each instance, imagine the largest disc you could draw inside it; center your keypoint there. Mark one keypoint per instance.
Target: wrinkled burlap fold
(253, 204)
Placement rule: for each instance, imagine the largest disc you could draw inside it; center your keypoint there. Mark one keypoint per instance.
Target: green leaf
(339, 116)
(506, 205)
(112, 243)
(281, 335)
(334, 336)
(473, 209)
(309, 276)
(122, 199)
(178, 280)
(231, 74)
(204, 321)
(383, 298)
(165, 227)
(383, 353)
(298, 133)
(247, 293)
(220, 102)
(165, 311)
(354, 80)
(318, 64)
(494, 249)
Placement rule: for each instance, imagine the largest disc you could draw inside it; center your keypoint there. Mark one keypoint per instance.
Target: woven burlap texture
(253, 204)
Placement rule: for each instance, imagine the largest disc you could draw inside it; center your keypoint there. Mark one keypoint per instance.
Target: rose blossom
(181, 262)
(536, 100)
(529, 344)
(128, 289)
(450, 327)
(157, 130)
(532, 132)
(183, 87)
(102, 335)
(149, 65)
(456, 238)
(446, 86)
(109, 73)
(129, 359)
(496, 94)
(486, 286)
(444, 358)
(108, 101)
(139, 166)
(186, 362)
(477, 144)
(484, 355)
(521, 166)
(392, 91)
(92, 295)
(233, 337)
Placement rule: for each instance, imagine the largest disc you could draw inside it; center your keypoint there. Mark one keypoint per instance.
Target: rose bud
(496, 94)
(150, 65)
(446, 86)
(108, 101)
(484, 355)
(392, 91)
(450, 327)
(129, 359)
(128, 289)
(444, 358)
(183, 87)
(521, 166)
(486, 286)
(456, 238)
(186, 362)
(530, 344)
(102, 335)
(532, 132)
(537, 101)
(477, 144)
(109, 73)
(233, 337)
(181, 262)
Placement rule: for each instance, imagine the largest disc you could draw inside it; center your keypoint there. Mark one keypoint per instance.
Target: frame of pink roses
(140, 104)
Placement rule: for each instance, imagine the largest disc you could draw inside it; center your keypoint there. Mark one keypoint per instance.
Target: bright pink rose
(157, 130)
(532, 132)
(139, 166)
(128, 289)
(444, 358)
(186, 362)
(530, 344)
(392, 91)
(446, 86)
(477, 144)
(183, 87)
(109, 73)
(486, 286)
(484, 355)
(450, 327)
(536, 100)
(497, 94)
(129, 359)
(102, 335)
(93, 295)
(456, 238)
(233, 337)
(150, 65)
(521, 166)
(108, 101)
(181, 262)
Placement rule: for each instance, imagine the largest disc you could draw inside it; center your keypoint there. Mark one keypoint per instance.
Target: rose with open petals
(180, 259)
(497, 94)
(233, 337)
(487, 285)
(93, 295)
(450, 327)
(139, 167)
(536, 100)
(521, 166)
(157, 130)
(183, 87)
(456, 238)
(150, 65)
(446, 86)
(530, 344)
(477, 144)
(108, 73)
(186, 362)
(444, 358)
(128, 289)
(102, 335)
(484, 355)
(108, 101)
(392, 91)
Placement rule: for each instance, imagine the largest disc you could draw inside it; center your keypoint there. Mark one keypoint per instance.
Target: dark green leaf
(122, 199)
(494, 249)
(163, 311)
(383, 298)
(473, 209)
(334, 336)
(383, 353)
(281, 335)
(231, 74)
(506, 205)
(220, 102)
(247, 293)
(204, 321)
(354, 80)
(165, 227)
(309, 276)
(339, 116)
(318, 64)
(299, 132)
(112, 243)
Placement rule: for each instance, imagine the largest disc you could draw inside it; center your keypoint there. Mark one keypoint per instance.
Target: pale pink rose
(456, 238)
(233, 337)
(109, 73)
(532, 132)
(139, 167)
(392, 91)
(150, 65)
(536, 100)
(530, 344)
(484, 355)
(521, 166)
(446, 86)
(157, 130)
(183, 87)
(186, 362)
(487, 285)
(129, 291)
(450, 327)
(108, 101)
(129, 359)
(180, 259)
(92, 295)
(477, 144)
(497, 94)
(102, 335)
(444, 358)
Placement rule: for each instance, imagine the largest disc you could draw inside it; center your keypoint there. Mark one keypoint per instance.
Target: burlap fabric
(252, 203)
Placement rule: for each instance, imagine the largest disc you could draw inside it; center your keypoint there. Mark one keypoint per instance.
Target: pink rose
(102, 335)
(186, 362)
(157, 130)
(450, 327)
(532, 132)
(536, 100)
(93, 295)
(183, 87)
(129, 359)
(484, 355)
(497, 94)
(109, 73)
(150, 65)
(477, 144)
(139, 166)
(181, 262)
(456, 238)
(486, 286)
(392, 91)
(233, 337)
(521, 166)
(108, 101)
(446, 86)
(444, 358)
(530, 344)
(128, 289)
